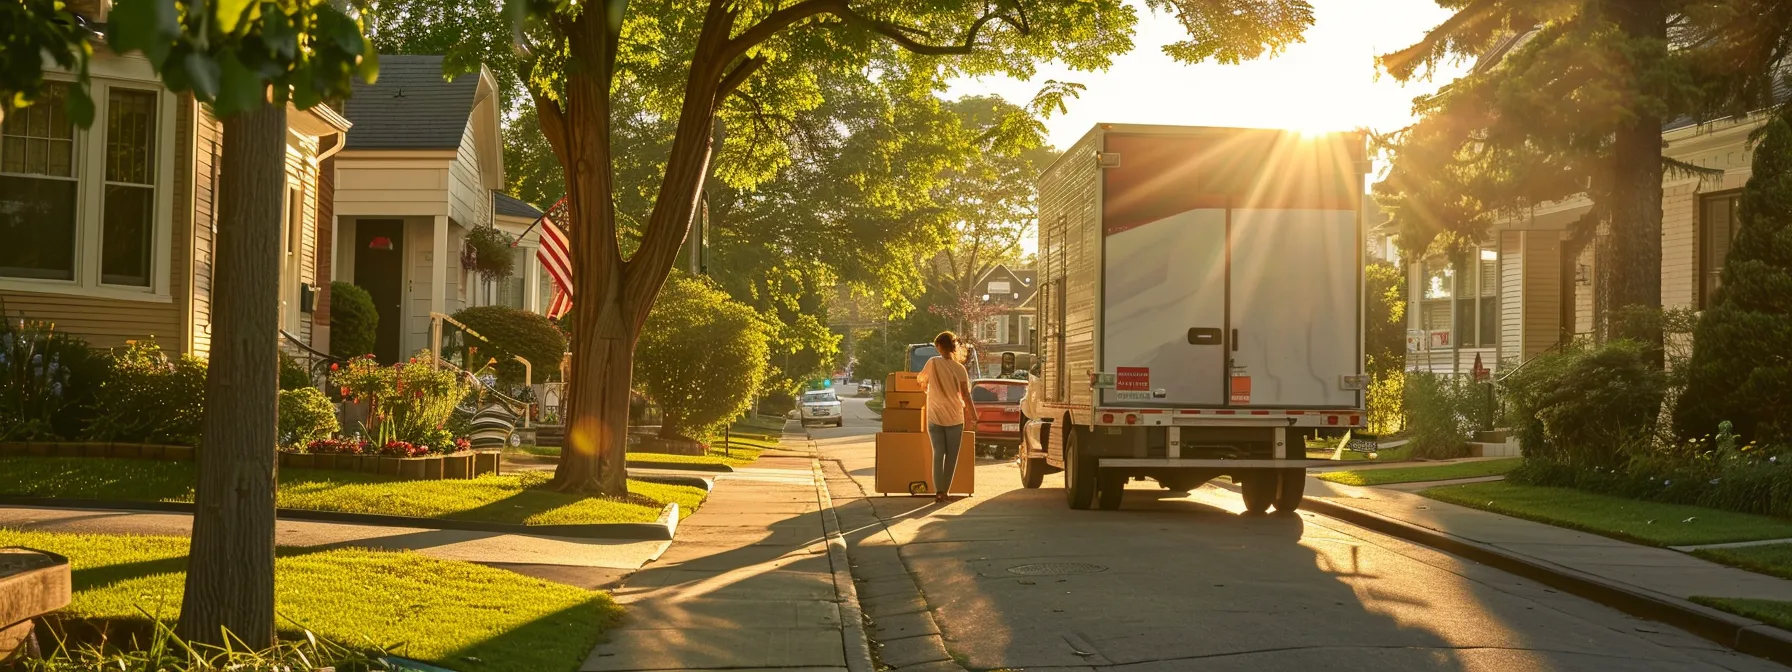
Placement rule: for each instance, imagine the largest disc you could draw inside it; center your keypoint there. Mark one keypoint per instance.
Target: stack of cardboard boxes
(904, 451)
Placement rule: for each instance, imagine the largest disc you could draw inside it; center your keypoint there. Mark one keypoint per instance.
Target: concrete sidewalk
(749, 583)
(1642, 569)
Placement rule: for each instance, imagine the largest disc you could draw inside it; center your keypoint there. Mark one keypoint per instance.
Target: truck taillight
(1107, 418)
(1132, 419)
(1331, 419)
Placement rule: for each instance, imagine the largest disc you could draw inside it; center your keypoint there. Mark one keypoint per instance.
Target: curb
(680, 466)
(852, 616)
(708, 484)
(660, 530)
(1736, 632)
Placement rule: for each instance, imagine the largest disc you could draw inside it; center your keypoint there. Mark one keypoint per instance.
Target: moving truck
(1201, 309)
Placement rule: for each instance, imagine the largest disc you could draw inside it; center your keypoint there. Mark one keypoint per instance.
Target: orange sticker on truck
(1241, 389)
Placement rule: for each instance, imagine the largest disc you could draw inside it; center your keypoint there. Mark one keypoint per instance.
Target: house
(422, 166)
(1009, 295)
(1528, 287)
(109, 229)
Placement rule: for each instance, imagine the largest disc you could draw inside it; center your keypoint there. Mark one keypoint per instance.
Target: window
(1025, 337)
(512, 290)
(38, 190)
(1469, 307)
(84, 208)
(998, 287)
(1718, 222)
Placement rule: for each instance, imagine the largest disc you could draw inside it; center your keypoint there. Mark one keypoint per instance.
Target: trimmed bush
(1586, 406)
(305, 416)
(46, 381)
(1740, 369)
(701, 357)
(293, 375)
(510, 332)
(354, 322)
(148, 397)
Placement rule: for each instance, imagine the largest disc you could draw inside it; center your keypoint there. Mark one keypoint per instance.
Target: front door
(379, 269)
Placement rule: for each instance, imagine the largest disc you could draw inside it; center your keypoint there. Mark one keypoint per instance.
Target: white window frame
(131, 73)
(1026, 329)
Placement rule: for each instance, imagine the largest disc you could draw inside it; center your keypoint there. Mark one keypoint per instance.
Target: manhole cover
(1056, 568)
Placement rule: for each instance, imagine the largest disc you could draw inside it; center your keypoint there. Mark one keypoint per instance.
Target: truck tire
(1079, 471)
(1032, 472)
(1112, 489)
(1292, 487)
(1259, 489)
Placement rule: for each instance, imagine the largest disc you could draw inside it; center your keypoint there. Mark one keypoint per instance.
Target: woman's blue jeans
(946, 440)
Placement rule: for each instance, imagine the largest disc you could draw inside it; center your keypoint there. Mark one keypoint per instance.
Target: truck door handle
(1204, 336)
(1235, 340)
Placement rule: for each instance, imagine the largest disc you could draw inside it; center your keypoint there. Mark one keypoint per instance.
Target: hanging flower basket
(487, 252)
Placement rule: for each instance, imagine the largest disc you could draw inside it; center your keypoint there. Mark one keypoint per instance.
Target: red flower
(332, 366)
(345, 390)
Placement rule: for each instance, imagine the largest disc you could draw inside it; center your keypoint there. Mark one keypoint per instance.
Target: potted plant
(487, 251)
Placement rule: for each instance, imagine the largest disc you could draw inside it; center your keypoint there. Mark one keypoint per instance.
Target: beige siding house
(1526, 289)
(109, 229)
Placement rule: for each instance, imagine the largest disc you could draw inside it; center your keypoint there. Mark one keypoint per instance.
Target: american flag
(555, 259)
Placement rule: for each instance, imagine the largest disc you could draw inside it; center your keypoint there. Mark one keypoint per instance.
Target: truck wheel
(1293, 485)
(1079, 471)
(1113, 488)
(1259, 489)
(1032, 472)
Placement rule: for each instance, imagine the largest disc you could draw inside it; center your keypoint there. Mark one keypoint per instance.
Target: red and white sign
(1132, 378)
(1241, 389)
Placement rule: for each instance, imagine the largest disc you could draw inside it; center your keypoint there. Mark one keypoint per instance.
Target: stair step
(1492, 449)
(1493, 436)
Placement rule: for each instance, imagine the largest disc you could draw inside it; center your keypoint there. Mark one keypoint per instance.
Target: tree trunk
(230, 569)
(1632, 269)
(594, 458)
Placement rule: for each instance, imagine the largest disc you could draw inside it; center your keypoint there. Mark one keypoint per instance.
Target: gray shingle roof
(411, 107)
(510, 206)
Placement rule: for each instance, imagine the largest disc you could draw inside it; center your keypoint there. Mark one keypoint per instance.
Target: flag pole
(519, 237)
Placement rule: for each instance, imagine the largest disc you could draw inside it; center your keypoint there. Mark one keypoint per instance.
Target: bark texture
(230, 569)
(1631, 261)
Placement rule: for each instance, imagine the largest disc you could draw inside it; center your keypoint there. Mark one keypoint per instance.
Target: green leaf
(80, 106)
(280, 36)
(202, 73)
(149, 26)
(240, 89)
(229, 13)
(368, 70)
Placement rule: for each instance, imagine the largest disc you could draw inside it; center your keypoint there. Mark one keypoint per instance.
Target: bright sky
(1326, 83)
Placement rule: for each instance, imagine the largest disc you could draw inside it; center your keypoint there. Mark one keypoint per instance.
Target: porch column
(438, 271)
(531, 282)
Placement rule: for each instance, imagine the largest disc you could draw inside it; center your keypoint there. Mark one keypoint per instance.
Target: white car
(820, 406)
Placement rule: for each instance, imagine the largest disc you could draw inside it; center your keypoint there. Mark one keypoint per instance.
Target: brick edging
(1736, 632)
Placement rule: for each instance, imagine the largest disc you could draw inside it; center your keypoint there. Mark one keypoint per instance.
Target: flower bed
(398, 459)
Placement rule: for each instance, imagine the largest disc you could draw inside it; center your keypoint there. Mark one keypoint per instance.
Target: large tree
(248, 59)
(692, 61)
(1569, 97)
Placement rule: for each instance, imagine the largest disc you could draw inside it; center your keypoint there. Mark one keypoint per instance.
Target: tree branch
(737, 75)
(903, 36)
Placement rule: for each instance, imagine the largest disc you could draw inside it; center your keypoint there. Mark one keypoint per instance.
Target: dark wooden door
(379, 269)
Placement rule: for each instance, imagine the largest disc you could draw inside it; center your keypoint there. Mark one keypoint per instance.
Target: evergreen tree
(1741, 368)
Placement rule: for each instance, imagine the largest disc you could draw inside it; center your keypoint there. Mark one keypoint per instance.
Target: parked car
(821, 406)
(998, 414)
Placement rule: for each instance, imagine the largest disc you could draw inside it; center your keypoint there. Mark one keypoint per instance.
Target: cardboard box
(903, 382)
(905, 464)
(908, 400)
(905, 420)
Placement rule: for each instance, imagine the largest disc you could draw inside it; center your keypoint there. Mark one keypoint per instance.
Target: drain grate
(1056, 568)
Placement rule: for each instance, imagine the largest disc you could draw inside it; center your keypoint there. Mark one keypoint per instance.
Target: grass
(1775, 613)
(1441, 472)
(1632, 520)
(453, 614)
(742, 449)
(1775, 559)
(509, 498)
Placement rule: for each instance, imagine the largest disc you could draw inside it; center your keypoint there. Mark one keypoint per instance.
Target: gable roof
(1024, 284)
(510, 206)
(411, 106)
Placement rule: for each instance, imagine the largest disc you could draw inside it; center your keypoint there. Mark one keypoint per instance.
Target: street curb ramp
(1736, 632)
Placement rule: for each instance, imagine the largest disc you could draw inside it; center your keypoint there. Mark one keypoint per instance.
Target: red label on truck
(1132, 378)
(1241, 389)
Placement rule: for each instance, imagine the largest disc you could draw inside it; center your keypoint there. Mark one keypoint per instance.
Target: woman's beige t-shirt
(945, 380)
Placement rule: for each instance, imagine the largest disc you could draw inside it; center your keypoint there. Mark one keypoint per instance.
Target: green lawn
(509, 498)
(1775, 559)
(457, 615)
(1628, 519)
(1442, 472)
(1774, 613)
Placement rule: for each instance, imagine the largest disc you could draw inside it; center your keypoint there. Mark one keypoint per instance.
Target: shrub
(510, 332)
(1740, 369)
(46, 381)
(701, 357)
(487, 252)
(1719, 473)
(354, 322)
(1440, 414)
(305, 416)
(148, 397)
(410, 402)
(1587, 406)
(1385, 399)
(293, 374)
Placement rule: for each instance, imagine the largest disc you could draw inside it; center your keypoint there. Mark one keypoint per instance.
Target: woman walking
(948, 405)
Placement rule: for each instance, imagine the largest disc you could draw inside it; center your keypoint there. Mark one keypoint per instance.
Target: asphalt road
(1015, 580)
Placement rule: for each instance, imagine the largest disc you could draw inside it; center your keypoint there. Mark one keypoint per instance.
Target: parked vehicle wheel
(840, 423)
(1259, 489)
(1079, 471)
(1112, 490)
(1032, 472)
(1293, 486)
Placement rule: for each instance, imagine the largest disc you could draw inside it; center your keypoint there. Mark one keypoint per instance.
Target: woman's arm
(970, 404)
